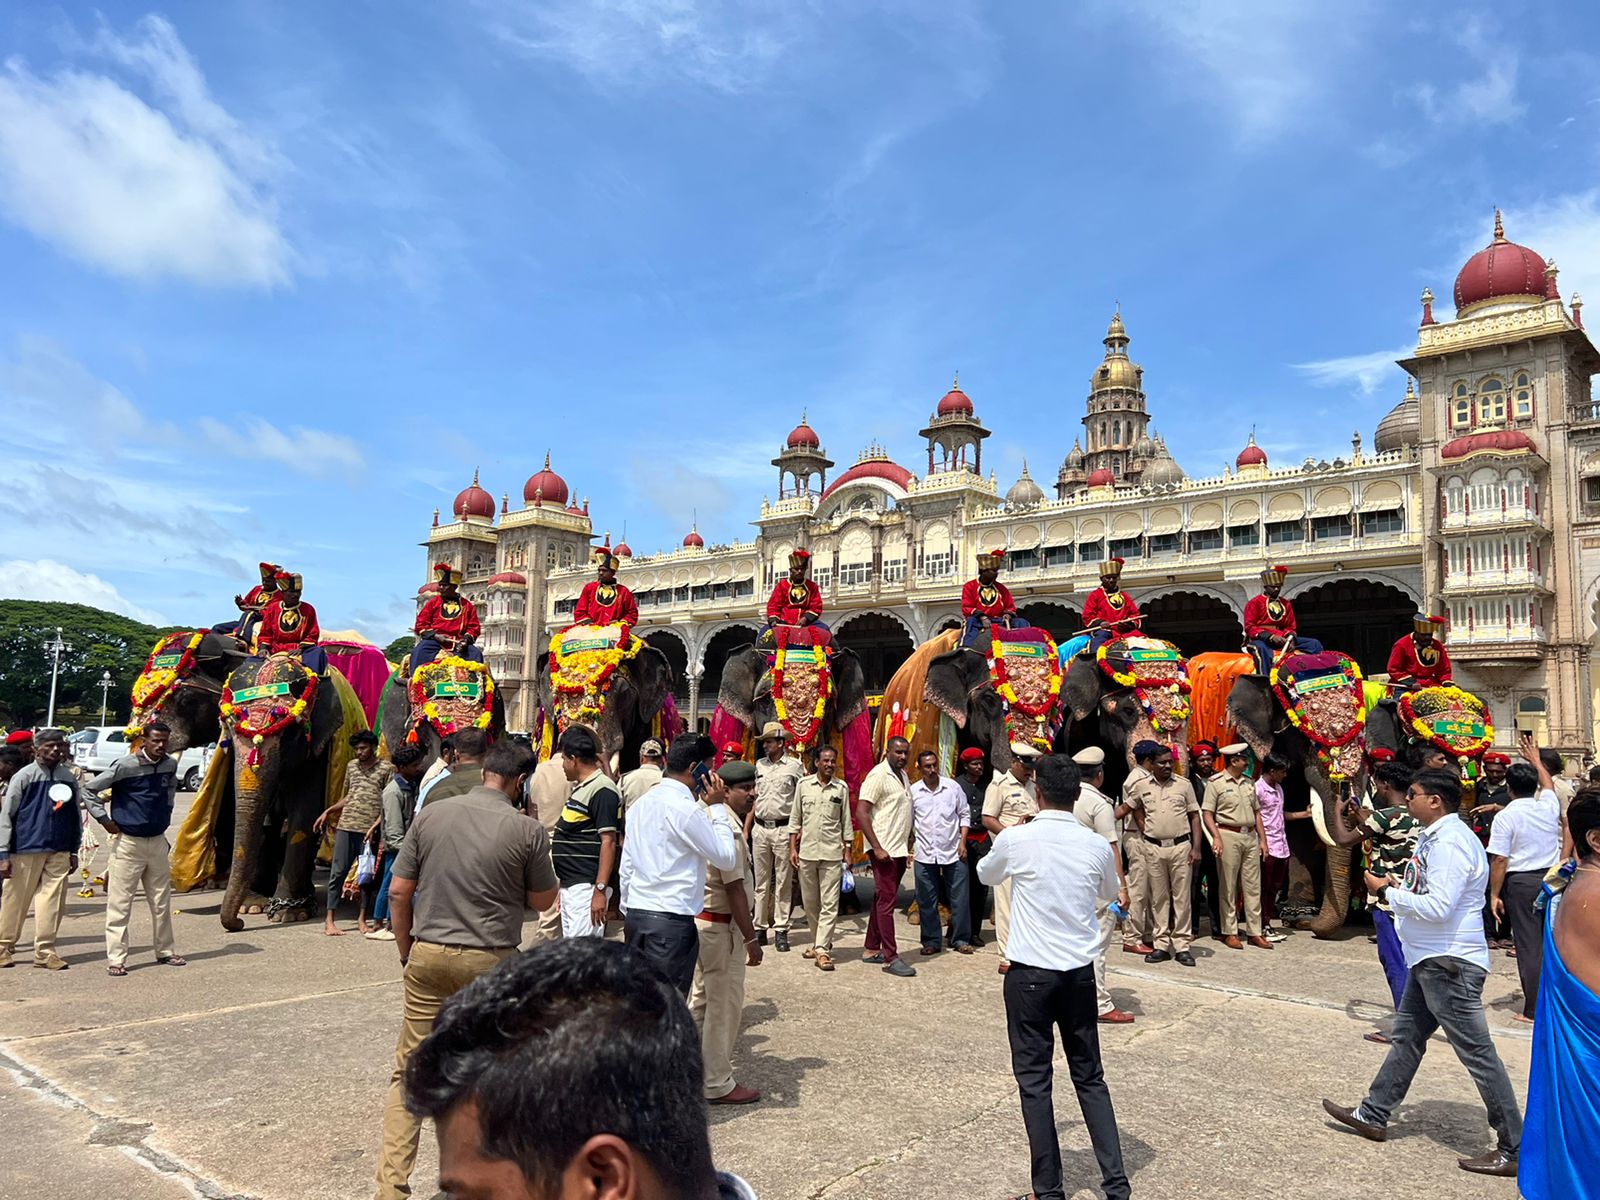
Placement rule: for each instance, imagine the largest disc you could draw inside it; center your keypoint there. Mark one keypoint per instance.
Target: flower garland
(154, 682)
(583, 677)
(1177, 710)
(281, 717)
(818, 657)
(1131, 677)
(1450, 696)
(1001, 675)
(423, 696)
(1326, 746)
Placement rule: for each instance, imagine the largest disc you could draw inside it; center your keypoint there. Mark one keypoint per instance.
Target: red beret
(971, 753)
(1494, 756)
(734, 748)
(19, 737)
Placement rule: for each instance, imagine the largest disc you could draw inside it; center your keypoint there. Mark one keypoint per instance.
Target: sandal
(172, 960)
(964, 948)
(117, 969)
(824, 961)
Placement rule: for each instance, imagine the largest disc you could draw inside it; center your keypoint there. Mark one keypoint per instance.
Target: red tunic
(257, 598)
(1265, 618)
(1428, 667)
(1117, 609)
(455, 619)
(606, 604)
(790, 602)
(986, 599)
(284, 629)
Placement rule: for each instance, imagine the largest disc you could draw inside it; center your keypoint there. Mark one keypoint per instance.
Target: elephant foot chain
(277, 907)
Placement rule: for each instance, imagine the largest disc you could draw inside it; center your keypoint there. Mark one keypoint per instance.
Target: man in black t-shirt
(584, 847)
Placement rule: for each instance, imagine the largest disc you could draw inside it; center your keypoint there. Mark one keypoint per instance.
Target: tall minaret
(1114, 425)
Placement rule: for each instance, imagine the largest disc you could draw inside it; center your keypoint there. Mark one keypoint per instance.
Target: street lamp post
(105, 689)
(55, 649)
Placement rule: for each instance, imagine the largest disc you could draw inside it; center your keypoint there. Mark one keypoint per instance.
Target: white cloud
(145, 190)
(46, 579)
(1487, 93)
(1565, 228)
(1365, 372)
(308, 451)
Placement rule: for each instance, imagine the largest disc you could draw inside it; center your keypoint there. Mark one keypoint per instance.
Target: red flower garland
(1292, 709)
(819, 654)
(295, 713)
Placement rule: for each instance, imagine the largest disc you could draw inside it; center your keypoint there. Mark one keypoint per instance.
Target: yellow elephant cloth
(906, 690)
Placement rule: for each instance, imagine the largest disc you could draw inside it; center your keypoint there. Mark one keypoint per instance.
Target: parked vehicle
(94, 750)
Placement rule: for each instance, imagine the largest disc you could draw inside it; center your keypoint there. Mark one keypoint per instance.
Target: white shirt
(1060, 871)
(1438, 911)
(671, 836)
(1096, 812)
(1527, 832)
(939, 815)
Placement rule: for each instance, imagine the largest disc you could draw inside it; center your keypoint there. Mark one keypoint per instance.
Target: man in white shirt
(1095, 811)
(1438, 913)
(939, 816)
(1524, 843)
(671, 837)
(1060, 872)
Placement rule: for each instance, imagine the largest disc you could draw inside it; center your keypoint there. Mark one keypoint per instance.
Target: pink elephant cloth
(726, 729)
(857, 751)
(365, 668)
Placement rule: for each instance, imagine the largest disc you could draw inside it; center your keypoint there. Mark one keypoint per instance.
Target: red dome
(473, 501)
(427, 589)
(955, 401)
(803, 435)
(510, 577)
(694, 539)
(1501, 270)
(623, 550)
(1252, 455)
(1101, 477)
(576, 511)
(546, 486)
(1498, 441)
(872, 468)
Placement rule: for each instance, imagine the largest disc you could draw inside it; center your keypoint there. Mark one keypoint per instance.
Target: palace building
(1478, 499)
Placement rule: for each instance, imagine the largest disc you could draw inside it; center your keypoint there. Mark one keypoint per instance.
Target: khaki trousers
(1240, 867)
(1002, 914)
(1136, 929)
(138, 862)
(716, 1001)
(1108, 930)
(1167, 869)
(549, 929)
(433, 974)
(770, 855)
(819, 892)
(41, 878)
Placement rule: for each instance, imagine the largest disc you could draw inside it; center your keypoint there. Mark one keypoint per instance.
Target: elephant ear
(849, 688)
(952, 678)
(1080, 690)
(652, 680)
(740, 675)
(1250, 707)
(327, 714)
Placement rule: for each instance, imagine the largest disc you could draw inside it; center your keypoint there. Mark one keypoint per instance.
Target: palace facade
(1478, 498)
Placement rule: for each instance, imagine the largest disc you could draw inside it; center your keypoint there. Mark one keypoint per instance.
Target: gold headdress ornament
(799, 558)
(1274, 575)
(446, 574)
(992, 560)
(605, 557)
(1423, 623)
(1112, 567)
(288, 581)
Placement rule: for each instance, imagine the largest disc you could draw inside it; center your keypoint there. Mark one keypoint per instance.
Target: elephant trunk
(1328, 817)
(251, 787)
(1335, 894)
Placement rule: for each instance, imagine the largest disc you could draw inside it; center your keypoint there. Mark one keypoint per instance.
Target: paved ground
(259, 1071)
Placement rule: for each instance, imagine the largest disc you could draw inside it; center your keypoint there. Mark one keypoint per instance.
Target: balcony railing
(1472, 581)
(1584, 412)
(1494, 518)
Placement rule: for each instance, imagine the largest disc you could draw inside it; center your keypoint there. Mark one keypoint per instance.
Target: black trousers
(1205, 878)
(1527, 931)
(977, 894)
(668, 940)
(1039, 1002)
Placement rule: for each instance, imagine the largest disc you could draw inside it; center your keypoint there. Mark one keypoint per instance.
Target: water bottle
(1118, 911)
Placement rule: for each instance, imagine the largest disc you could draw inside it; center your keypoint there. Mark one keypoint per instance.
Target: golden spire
(955, 383)
(1499, 227)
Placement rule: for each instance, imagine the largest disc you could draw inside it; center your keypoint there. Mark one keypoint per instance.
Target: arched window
(1491, 402)
(1522, 397)
(1461, 407)
(1116, 433)
(550, 556)
(1103, 428)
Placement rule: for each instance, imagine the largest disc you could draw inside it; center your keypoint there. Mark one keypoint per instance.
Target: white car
(94, 750)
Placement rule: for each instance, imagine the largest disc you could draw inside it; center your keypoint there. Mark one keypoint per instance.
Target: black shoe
(782, 939)
(761, 937)
(1157, 956)
(1185, 959)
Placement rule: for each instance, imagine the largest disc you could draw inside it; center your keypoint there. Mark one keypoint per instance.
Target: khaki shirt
(1095, 812)
(1232, 800)
(548, 790)
(775, 784)
(1166, 805)
(717, 881)
(1010, 802)
(637, 782)
(1135, 777)
(821, 816)
(889, 797)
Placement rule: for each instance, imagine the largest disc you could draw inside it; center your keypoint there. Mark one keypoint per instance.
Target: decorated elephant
(1447, 719)
(1137, 689)
(442, 696)
(181, 684)
(624, 694)
(815, 690)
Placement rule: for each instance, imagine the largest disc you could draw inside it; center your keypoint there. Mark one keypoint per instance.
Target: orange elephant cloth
(1211, 678)
(906, 689)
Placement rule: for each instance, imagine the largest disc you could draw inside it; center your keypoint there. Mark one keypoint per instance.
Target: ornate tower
(1114, 427)
(955, 435)
(801, 460)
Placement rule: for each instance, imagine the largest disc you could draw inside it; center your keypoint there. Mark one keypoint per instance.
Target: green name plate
(1025, 650)
(1320, 683)
(468, 690)
(166, 662)
(260, 692)
(577, 645)
(1153, 654)
(1463, 728)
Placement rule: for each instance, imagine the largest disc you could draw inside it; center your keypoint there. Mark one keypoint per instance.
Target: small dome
(1024, 492)
(693, 540)
(1075, 457)
(802, 435)
(1502, 270)
(545, 486)
(1252, 455)
(473, 501)
(955, 401)
(427, 589)
(1116, 372)
(623, 550)
(1102, 477)
(1163, 470)
(576, 510)
(1496, 441)
(1402, 425)
(874, 463)
(508, 579)
(1143, 447)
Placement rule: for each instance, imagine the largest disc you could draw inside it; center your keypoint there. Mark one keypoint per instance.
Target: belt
(775, 824)
(977, 835)
(1236, 828)
(1165, 843)
(714, 918)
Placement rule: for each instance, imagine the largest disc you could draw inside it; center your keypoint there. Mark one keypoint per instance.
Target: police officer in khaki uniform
(820, 831)
(1233, 823)
(1169, 826)
(1136, 930)
(776, 776)
(1095, 811)
(1010, 800)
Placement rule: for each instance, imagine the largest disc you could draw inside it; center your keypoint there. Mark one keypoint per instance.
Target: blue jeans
(426, 650)
(975, 637)
(954, 876)
(1391, 955)
(380, 907)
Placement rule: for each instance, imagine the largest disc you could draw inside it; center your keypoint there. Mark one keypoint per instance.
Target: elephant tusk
(1320, 821)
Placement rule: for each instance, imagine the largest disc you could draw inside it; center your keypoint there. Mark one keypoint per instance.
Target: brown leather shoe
(1116, 1017)
(1137, 948)
(1261, 943)
(739, 1095)
(1232, 942)
(1347, 1116)
(1496, 1162)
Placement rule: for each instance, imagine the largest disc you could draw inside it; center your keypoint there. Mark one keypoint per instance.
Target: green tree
(100, 641)
(400, 649)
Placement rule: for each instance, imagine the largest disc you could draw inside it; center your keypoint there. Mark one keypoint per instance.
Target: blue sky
(280, 277)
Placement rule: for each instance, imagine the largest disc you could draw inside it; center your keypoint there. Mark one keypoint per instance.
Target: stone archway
(879, 641)
(713, 658)
(1194, 622)
(677, 653)
(1060, 620)
(1359, 617)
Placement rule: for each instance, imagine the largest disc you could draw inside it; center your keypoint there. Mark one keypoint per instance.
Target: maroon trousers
(1274, 874)
(886, 876)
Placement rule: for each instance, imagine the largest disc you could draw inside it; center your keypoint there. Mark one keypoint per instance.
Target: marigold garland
(583, 678)
(1325, 745)
(818, 655)
(1008, 692)
(1452, 695)
(422, 697)
(154, 683)
(283, 718)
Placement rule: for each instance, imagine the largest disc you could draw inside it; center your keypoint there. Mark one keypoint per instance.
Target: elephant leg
(295, 898)
(1335, 894)
(268, 864)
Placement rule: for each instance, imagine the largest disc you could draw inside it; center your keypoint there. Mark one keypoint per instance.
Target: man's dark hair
(1442, 784)
(1552, 760)
(447, 742)
(588, 1021)
(508, 760)
(1594, 773)
(1522, 780)
(821, 750)
(16, 756)
(406, 754)
(49, 735)
(1058, 779)
(578, 742)
(1274, 762)
(1393, 774)
(933, 754)
(1583, 818)
(688, 751)
(889, 745)
(358, 738)
(157, 726)
(1147, 749)
(471, 743)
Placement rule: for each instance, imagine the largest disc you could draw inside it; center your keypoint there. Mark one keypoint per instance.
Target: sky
(281, 277)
